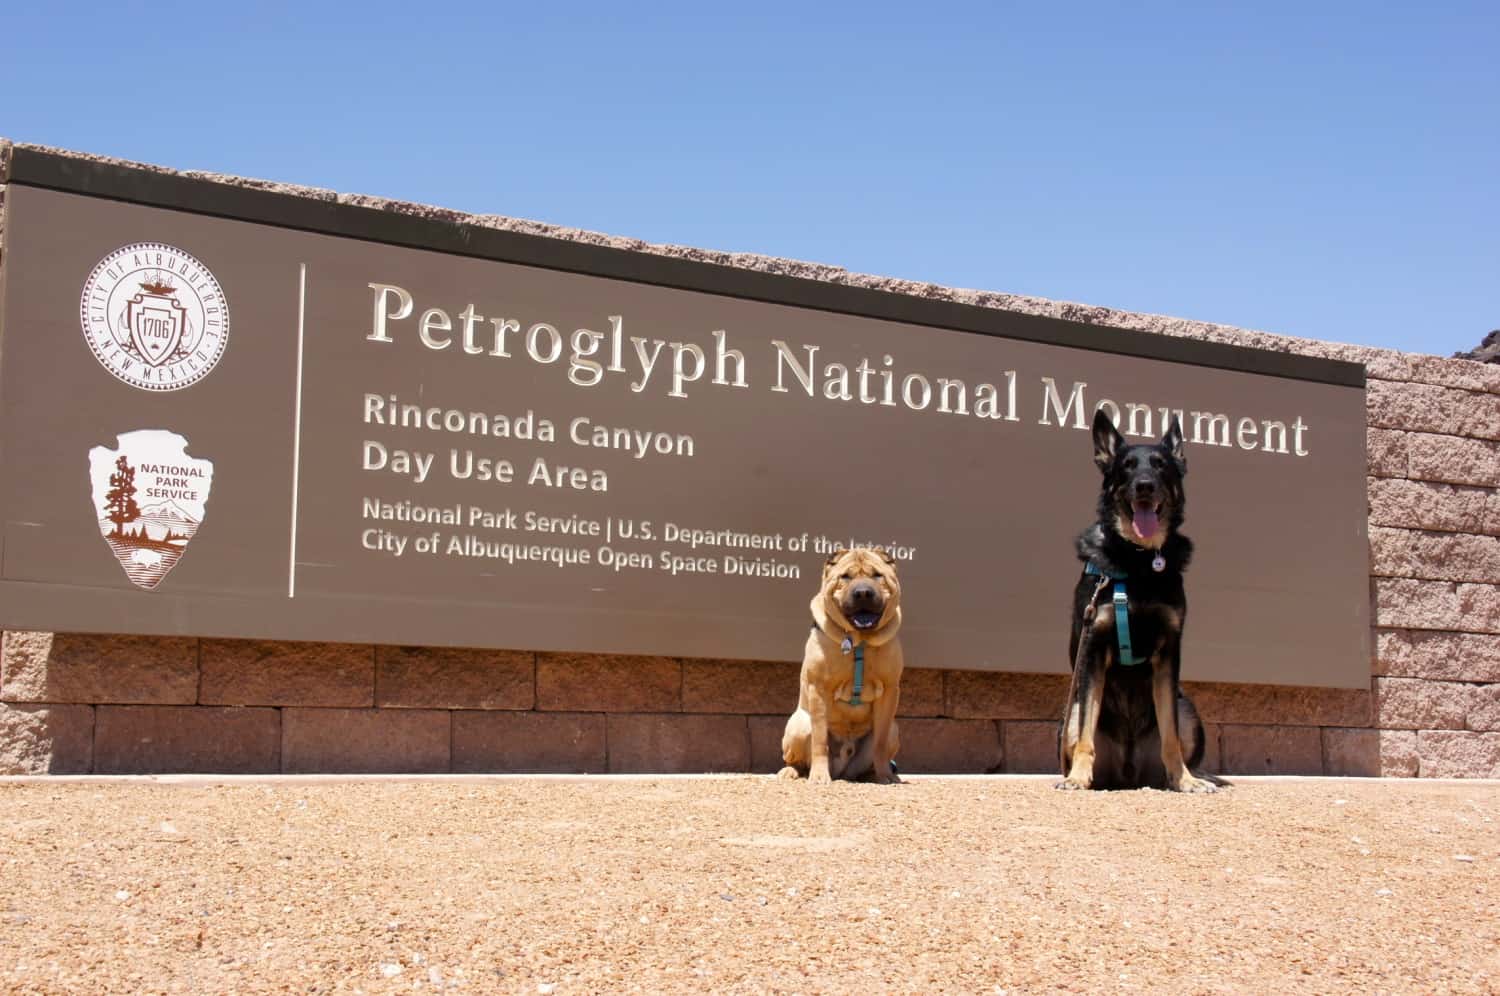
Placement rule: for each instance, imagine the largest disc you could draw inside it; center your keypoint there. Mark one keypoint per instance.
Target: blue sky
(1325, 170)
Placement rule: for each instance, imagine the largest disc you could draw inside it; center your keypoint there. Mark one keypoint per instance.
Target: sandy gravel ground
(746, 884)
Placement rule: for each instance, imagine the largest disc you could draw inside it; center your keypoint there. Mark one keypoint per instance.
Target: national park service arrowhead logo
(149, 499)
(154, 316)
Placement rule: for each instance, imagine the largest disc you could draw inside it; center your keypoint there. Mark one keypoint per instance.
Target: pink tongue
(1144, 521)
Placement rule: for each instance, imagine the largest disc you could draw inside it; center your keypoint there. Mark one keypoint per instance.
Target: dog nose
(1145, 488)
(864, 595)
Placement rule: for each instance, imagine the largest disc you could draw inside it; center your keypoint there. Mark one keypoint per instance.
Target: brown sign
(392, 430)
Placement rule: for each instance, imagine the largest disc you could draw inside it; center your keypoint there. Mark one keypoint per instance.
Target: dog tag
(848, 645)
(1159, 563)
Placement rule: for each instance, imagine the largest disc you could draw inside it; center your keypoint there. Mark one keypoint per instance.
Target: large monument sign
(231, 412)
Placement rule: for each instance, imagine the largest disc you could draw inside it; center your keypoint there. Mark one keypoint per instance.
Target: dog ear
(1172, 443)
(833, 558)
(1107, 440)
(886, 555)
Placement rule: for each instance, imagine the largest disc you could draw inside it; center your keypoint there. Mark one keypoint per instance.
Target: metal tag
(1159, 563)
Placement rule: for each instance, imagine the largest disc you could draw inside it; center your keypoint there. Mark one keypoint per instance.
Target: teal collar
(1122, 613)
(859, 667)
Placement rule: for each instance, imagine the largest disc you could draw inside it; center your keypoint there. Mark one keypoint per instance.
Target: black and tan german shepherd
(1128, 724)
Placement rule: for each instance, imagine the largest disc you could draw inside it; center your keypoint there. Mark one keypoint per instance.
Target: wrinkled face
(1142, 484)
(860, 585)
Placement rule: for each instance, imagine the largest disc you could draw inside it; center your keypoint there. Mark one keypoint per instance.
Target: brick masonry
(76, 703)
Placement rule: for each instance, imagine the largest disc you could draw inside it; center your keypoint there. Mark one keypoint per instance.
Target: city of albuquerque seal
(154, 316)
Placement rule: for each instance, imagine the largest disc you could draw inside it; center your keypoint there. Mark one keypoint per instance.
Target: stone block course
(765, 743)
(1441, 507)
(599, 683)
(1398, 754)
(1479, 608)
(366, 741)
(545, 742)
(1280, 704)
(131, 740)
(1452, 460)
(1434, 556)
(46, 739)
(1484, 708)
(739, 686)
(1453, 754)
(90, 669)
(1002, 695)
(1442, 656)
(1467, 375)
(284, 673)
(1030, 747)
(1351, 753)
(1433, 409)
(1386, 453)
(1272, 750)
(677, 743)
(949, 746)
(1419, 704)
(1404, 603)
(450, 678)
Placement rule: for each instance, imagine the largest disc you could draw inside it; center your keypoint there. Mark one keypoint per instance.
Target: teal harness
(859, 667)
(1122, 613)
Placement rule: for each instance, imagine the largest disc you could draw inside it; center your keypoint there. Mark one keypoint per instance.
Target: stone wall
(113, 704)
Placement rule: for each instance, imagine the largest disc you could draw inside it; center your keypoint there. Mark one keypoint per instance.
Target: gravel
(745, 884)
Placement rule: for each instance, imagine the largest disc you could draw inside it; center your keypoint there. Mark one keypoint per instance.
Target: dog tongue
(1144, 521)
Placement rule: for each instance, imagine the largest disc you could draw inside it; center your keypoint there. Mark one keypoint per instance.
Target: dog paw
(1198, 786)
(887, 778)
(819, 777)
(1071, 785)
(788, 774)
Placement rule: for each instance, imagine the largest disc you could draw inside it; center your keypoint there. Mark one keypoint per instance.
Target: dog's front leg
(1164, 697)
(1082, 723)
(884, 743)
(819, 704)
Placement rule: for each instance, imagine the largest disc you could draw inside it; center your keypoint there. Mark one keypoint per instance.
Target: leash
(1122, 611)
(859, 663)
(859, 667)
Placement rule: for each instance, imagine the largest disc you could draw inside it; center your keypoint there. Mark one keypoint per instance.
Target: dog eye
(846, 576)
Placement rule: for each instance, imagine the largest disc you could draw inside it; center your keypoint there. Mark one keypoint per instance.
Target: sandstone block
(1401, 602)
(1440, 507)
(84, 668)
(765, 743)
(1006, 695)
(1030, 747)
(678, 743)
(366, 741)
(1386, 453)
(1452, 460)
(46, 739)
(1415, 653)
(1465, 374)
(1429, 408)
(949, 746)
(922, 692)
(547, 742)
(600, 683)
(1484, 708)
(1451, 754)
(739, 686)
(282, 673)
(136, 740)
(1351, 753)
(1288, 705)
(1479, 608)
(1398, 754)
(1434, 556)
(1418, 704)
(451, 678)
(1272, 750)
